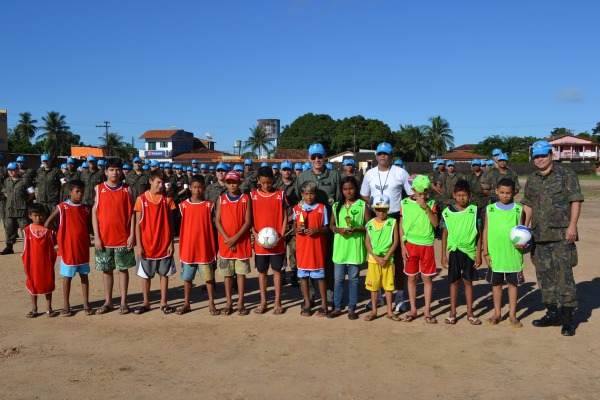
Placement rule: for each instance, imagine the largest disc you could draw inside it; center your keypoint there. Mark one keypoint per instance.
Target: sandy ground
(288, 356)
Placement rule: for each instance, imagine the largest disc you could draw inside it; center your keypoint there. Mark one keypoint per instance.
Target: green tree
(258, 141)
(561, 131)
(439, 134)
(56, 135)
(357, 132)
(26, 127)
(596, 133)
(414, 142)
(307, 129)
(488, 144)
(113, 143)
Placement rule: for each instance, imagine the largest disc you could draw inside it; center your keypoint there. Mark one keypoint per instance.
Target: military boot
(552, 317)
(7, 250)
(568, 327)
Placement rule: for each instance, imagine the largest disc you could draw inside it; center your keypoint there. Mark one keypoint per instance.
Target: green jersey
(383, 238)
(349, 249)
(505, 257)
(416, 224)
(462, 230)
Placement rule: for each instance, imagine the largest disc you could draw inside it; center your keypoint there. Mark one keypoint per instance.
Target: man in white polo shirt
(389, 180)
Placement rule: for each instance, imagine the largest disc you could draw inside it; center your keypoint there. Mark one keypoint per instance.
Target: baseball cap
(248, 161)
(475, 161)
(450, 163)
(298, 165)
(154, 163)
(421, 183)
(380, 201)
(20, 159)
(101, 163)
(84, 165)
(202, 166)
(490, 162)
(483, 161)
(440, 161)
(63, 166)
(194, 169)
(316, 148)
(145, 167)
(503, 157)
(329, 165)
(12, 165)
(91, 159)
(306, 166)
(126, 166)
(540, 148)
(384, 147)
(222, 166)
(194, 161)
(286, 164)
(211, 168)
(275, 166)
(496, 152)
(264, 164)
(238, 167)
(45, 157)
(137, 159)
(232, 176)
(347, 161)
(398, 162)
(70, 160)
(167, 165)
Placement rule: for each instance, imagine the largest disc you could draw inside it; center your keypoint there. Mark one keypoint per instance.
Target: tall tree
(307, 129)
(258, 141)
(440, 135)
(113, 142)
(415, 142)
(358, 132)
(56, 136)
(561, 131)
(26, 127)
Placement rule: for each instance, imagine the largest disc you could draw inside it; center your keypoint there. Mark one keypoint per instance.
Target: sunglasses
(316, 157)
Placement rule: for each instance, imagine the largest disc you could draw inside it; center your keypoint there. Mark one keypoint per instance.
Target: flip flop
(450, 320)
(516, 324)
(431, 320)
(227, 311)
(393, 317)
(104, 309)
(214, 312)
(369, 317)
(409, 318)
(167, 309)
(124, 310)
(51, 314)
(278, 311)
(66, 313)
(32, 314)
(260, 310)
(141, 310)
(321, 312)
(243, 312)
(493, 321)
(474, 320)
(89, 311)
(306, 312)
(182, 310)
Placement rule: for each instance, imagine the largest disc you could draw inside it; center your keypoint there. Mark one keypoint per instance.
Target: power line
(106, 126)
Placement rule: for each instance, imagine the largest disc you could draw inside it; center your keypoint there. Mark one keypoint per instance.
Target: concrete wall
(519, 168)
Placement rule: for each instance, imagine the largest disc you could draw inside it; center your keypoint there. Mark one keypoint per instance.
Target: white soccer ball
(267, 237)
(520, 235)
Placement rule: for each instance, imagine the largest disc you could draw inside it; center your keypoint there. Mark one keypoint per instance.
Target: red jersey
(73, 240)
(154, 224)
(197, 235)
(268, 210)
(38, 258)
(233, 217)
(114, 211)
(310, 250)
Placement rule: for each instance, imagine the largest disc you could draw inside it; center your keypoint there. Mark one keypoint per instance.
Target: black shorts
(461, 266)
(498, 278)
(262, 262)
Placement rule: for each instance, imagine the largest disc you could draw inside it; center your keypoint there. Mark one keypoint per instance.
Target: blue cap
(503, 157)
(194, 169)
(450, 163)
(12, 165)
(91, 159)
(70, 160)
(399, 162)
(194, 161)
(222, 166)
(286, 164)
(177, 166)
(435, 166)
(496, 152)
(298, 165)
(384, 147)
(248, 161)
(184, 169)
(440, 161)
(483, 161)
(45, 157)
(137, 159)
(145, 167)
(347, 161)
(275, 166)
(126, 166)
(476, 161)
(167, 165)
(264, 164)
(490, 162)
(316, 148)
(84, 165)
(101, 163)
(20, 159)
(63, 166)
(161, 165)
(147, 161)
(154, 163)
(540, 148)
(211, 168)
(238, 167)
(329, 165)
(202, 166)
(306, 166)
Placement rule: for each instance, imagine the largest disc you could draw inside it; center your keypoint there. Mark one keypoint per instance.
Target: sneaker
(399, 308)
(7, 250)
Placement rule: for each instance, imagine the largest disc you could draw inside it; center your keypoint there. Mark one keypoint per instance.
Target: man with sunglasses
(552, 204)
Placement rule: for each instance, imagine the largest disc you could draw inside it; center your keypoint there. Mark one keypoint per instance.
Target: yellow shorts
(380, 277)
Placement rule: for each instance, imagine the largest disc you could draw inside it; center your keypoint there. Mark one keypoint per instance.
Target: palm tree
(258, 140)
(415, 141)
(112, 141)
(26, 128)
(440, 135)
(56, 135)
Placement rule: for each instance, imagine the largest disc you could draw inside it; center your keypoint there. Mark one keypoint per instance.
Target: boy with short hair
(73, 243)
(311, 245)
(505, 261)
(38, 259)
(269, 210)
(381, 241)
(114, 234)
(197, 248)
(418, 220)
(154, 240)
(461, 235)
(233, 221)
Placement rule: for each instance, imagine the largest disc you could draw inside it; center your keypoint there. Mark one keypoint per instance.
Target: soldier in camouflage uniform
(215, 189)
(70, 174)
(477, 196)
(490, 179)
(249, 173)
(17, 193)
(440, 168)
(49, 181)
(552, 204)
(446, 182)
(349, 167)
(92, 177)
(3, 176)
(286, 183)
(26, 173)
(137, 178)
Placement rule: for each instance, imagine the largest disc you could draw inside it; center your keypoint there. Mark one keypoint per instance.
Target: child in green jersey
(349, 251)
(381, 241)
(504, 260)
(462, 236)
(418, 219)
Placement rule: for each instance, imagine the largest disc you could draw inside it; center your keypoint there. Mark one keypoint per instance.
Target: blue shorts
(69, 271)
(311, 273)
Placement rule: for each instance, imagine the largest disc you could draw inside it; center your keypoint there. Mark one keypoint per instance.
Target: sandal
(66, 313)
(243, 312)
(32, 314)
(515, 323)
(227, 311)
(474, 320)
(306, 312)
(260, 310)
(369, 317)
(278, 311)
(321, 312)
(105, 309)
(393, 317)
(124, 310)
(450, 321)
(214, 312)
(89, 311)
(493, 321)
(183, 310)
(167, 309)
(409, 318)
(141, 310)
(51, 314)
(431, 320)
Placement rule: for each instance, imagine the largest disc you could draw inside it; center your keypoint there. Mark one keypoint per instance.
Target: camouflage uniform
(138, 183)
(550, 197)
(209, 178)
(17, 197)
(91, 178)
(433, 178)
(448, 182)
(3, 176)
(28, 175)
(490, 179)
(69, 176)
(49, 188)
(249, 182)
(290, 240)
(213, 191)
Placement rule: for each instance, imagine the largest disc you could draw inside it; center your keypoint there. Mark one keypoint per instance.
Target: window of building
(164, 145)
(151, 145)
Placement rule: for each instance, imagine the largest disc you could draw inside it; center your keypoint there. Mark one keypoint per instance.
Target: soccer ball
(267, 237)
(520, 235)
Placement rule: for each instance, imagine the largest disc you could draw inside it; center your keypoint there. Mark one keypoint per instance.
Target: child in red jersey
(154, 240)
(233, 221)
(73, 244)
(197, 249)
(114, 234)
(311, 245)
(269, 210)
(38, 259)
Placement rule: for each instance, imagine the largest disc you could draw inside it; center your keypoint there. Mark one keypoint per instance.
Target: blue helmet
(21, 159)
(483, 161)
(194, 169)
(306, 166)
(399, 162)
(440, 161)
(154, 163)
(496, 152)
(70, 160)
(316, 148)
(348, 161)
(384, 147)
(84, 165)
(248, 161)
(238, 167)
(540, 148)
(286, 164)
(167, 165)
(298, 166)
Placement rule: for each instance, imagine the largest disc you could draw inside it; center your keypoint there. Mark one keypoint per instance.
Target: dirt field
(288, 356)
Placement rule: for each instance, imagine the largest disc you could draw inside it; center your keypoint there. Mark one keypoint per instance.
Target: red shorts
(422, 256)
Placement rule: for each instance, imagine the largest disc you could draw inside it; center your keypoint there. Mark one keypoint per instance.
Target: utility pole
(106, 126)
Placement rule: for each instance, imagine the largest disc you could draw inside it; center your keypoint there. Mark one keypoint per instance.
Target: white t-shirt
(389, 183)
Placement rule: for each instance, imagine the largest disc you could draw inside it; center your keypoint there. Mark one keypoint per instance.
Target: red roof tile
(460, 155)
(159, 134)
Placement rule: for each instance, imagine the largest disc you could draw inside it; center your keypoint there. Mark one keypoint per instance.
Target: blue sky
(511, 67)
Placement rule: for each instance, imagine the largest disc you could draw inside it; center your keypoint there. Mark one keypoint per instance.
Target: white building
(163, 145)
